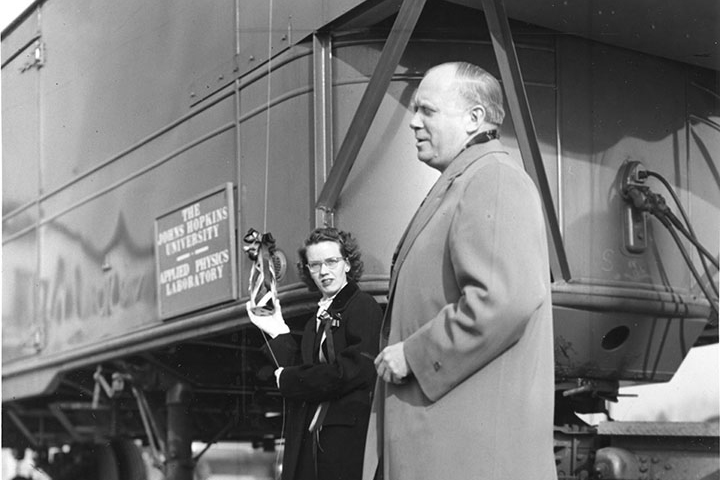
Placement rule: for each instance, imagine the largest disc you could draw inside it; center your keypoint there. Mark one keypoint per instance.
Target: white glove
(269, 321)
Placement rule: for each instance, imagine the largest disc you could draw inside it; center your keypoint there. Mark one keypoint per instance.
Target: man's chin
(432, 162)
(425, 157)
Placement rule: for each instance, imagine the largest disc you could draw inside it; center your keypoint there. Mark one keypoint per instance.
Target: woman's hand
(268, 320)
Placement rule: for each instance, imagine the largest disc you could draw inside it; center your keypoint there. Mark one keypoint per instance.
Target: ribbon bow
(257, 241)
(333, 319)
(263, 284)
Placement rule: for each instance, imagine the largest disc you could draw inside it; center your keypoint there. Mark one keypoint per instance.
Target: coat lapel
(430, 205)
(336, 308)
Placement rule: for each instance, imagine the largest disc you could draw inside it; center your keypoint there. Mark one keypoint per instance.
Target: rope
(265, 201)
(267, 118)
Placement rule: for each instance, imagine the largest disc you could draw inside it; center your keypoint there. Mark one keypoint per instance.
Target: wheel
(84, 462)
(105, 463)
(130, 462)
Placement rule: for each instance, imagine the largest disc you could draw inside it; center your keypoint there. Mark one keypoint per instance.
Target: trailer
(144, 142)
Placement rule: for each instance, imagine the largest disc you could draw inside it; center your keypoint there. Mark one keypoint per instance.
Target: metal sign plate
(195, 254)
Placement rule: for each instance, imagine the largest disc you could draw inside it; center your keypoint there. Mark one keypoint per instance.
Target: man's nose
(415, 122)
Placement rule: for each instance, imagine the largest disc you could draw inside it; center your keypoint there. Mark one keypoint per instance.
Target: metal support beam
(389, 58)
(323, 115)
(179, 463)
(155, 440)
(524, 128)
(56, 410)
(32, 440)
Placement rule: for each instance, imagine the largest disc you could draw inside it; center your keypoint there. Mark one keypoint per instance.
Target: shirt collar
(324, 303)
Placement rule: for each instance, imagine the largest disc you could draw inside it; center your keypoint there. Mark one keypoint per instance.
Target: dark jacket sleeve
(356, 344)
(282, 350)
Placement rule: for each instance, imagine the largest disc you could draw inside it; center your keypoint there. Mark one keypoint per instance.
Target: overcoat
(470, 299)
(346, 384)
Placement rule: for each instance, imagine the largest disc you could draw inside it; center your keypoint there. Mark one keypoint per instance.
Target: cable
(267, 120)
(655, 204)
(688, 261)
(284, 414)
(690, 229)
(272, 354)
(282, 435)
(704, 253)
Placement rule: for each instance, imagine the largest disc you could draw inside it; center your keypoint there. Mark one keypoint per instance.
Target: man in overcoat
(465, 374)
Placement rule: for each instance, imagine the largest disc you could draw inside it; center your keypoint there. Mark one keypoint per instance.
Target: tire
(106, 463)
(85, 462)
(131, 465)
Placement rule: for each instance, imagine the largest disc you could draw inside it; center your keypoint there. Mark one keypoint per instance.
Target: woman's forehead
(322, 250)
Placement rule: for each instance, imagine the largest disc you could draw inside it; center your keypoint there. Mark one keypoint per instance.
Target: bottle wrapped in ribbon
(263, 307)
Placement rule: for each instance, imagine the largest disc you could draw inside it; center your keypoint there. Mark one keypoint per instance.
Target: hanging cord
(265, 202)
(262, 287)
(262, 283)
(668, 225)
(282, 435)
(267, 116)
(260, 248)
(272, 354)
(644, 199)
(690, 232)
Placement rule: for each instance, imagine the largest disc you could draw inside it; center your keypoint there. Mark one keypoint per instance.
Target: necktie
(323, 331)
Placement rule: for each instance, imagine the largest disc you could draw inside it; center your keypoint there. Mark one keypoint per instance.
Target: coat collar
(469, 156)
(457, 167)
(343, 297)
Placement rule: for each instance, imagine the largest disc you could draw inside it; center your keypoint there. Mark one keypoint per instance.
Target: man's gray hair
(478, 87)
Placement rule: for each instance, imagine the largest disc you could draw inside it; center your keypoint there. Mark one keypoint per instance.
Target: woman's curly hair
(348, 249)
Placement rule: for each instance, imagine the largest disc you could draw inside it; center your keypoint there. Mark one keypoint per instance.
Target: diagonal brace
(389, 58)
(524, 128)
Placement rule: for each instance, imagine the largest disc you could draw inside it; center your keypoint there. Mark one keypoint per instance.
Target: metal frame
(323, 115)
(389, 58)
(524, 128)
(12, 415)
(511, 75)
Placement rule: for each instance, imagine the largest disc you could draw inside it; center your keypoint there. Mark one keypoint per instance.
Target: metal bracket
(38, 58)
(604, 389)
(118, 385)
(634, 218)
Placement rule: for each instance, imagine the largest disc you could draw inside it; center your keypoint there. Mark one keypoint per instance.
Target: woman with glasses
(328, 378)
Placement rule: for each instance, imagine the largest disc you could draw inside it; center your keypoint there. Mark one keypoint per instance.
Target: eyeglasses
(330, 262)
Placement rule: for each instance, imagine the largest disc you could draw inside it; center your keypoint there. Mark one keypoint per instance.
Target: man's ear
(476, 118)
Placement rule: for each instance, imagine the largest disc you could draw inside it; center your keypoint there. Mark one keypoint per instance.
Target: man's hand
(391, 365)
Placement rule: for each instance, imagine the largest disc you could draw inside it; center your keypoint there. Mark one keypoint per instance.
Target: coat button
(437, 366)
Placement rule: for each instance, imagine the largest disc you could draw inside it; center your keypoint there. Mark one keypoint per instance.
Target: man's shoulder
(482, 155)
(499, 161)
(503, 169)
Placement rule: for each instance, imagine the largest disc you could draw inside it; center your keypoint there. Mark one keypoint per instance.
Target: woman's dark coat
(347, 383)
